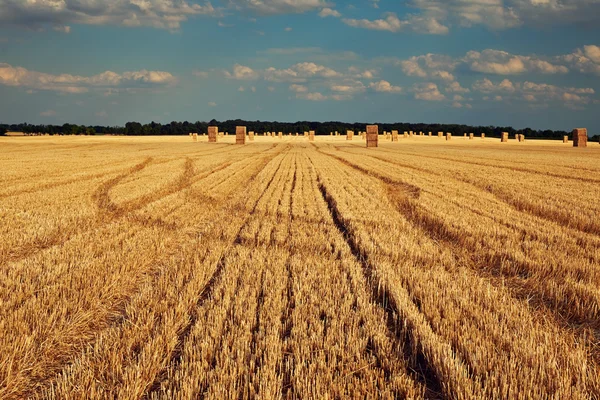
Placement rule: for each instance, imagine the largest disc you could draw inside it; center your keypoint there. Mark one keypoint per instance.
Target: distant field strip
(162, 268)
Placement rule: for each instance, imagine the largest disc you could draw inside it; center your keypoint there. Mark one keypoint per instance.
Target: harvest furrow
(422, 285)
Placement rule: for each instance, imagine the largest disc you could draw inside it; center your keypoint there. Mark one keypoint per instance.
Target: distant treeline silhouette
(321, 128)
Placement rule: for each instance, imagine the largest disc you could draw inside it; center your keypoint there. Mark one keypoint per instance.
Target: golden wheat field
(162, 268)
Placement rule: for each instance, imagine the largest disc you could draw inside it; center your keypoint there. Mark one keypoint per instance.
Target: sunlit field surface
(159, 267)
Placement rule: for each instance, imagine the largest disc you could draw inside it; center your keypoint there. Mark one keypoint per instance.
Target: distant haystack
(372, 135)
(240, 135)
(580, 137)
(213, 131)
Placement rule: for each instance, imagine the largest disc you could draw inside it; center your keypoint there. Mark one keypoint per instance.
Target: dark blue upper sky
(525, 63)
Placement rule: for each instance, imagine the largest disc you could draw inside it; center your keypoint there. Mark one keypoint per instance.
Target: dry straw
(580, 137)
(504, 137)
(372, 135)
(251, 136)
(394, 136)
(212, 134)
(448, 136)
(311, 136)
(240, 135)
(349, 135)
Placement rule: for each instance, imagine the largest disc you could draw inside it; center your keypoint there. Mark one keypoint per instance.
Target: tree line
(320, 128)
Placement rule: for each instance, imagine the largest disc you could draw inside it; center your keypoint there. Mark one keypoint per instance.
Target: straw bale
(240, 135)
(372, 135)
(580, 137)
(212, 134)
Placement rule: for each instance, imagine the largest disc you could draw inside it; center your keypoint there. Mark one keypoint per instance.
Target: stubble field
(156, 267)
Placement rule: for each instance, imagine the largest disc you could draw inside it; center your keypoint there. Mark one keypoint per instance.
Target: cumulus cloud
(164, 14)
(535, 92)
(455, 87)
(298, 88)
(241, 72)
(385, 87)
(489, 61)
(427, 91)
(273, 7)
(391, 23)
(503, 63)
(432, 66)
(328, 12)
(300, 72)
(67, 83)
(487, 86)
(316, 96)
(585, 60)
(505, 14)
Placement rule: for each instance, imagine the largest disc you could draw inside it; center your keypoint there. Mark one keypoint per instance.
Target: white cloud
(391, 23)
(212, 104)
(427, 91)
(586, 60)
(164, 14)
(348, 87)
(487, 86)
(385, 87)
(505, 14)
(503, 63)
(433, 66)
(66, 83)
(542, 93)
(48, 113)
(288, 29)
(242, 72)
(102, 114)
(241, 89)
(300, 72)
(272, 7)
(455, 87)
(62, 28)
(328, 12)
(298, 88)
(316, 96)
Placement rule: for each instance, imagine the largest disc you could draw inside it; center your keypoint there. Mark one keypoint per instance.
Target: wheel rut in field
(500, 268)
(509, 168)
(287, 324)
(522, 206)
(420, 369)
(120, 314)
(175, 357)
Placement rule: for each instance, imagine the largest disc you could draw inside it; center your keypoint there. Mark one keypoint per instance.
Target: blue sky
(525, 63)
